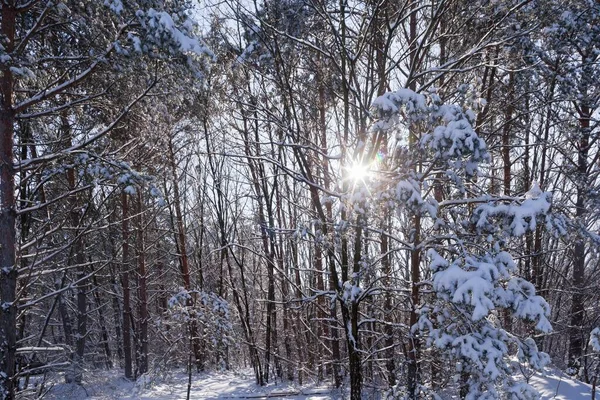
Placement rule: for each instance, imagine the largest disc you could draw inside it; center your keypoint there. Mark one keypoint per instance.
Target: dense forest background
(400, 197)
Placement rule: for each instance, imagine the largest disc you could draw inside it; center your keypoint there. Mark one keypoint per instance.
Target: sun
(358, 172)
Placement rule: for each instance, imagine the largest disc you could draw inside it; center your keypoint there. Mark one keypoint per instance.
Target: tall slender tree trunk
(103, 325)
(577, 306)
(296, 322)
(271, 318)
(115, 273)
(379, 41)
(349, 311)
(142, 368)
(117, 315)
(8, 270)
(184, 265)
(77, 258)
(66, 323)
(25, 225)
(330, 329)
(415, 253)
(415, 275)
(538, 257)
(283, 279)
(127, 351)
(507, 163)
(506, 133)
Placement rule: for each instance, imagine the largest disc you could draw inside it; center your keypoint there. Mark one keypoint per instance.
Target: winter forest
(393, 199)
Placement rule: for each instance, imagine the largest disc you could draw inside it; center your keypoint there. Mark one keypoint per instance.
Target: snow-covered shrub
(212, 315)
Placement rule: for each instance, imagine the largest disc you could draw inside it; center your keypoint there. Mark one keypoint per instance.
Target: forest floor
(216, 385)
(557, 385)
(104, 385)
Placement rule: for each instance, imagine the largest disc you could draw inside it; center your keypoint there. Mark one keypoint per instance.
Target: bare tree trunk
(25, 222)
(142, 289)
(415, 274)
(285, 291)
(78, 258)
(508, 114)
(381, 50)
(117, 314)
(8, 270)
(296, 323)
(271, 319)
(576, 334)
(538, 256)
(330, 330)
(415, 254)
(67, 325)
(507, 164)
(102, 321)
(126, 290)
(184, 265)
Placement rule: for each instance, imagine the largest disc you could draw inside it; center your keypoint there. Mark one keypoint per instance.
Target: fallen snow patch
(558, 385)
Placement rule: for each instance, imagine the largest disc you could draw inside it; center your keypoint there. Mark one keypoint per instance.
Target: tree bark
(576, 335)
(126, 290)
(142, 368)
(507, 164)
(415, 253)
(78, 258)
(102, 322)
(8, 270)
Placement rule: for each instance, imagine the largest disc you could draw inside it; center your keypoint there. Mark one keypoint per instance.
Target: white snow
(115, 5)
(595, 339)
(559, 386)
(162, 22)
(535, 192)
(104, 385)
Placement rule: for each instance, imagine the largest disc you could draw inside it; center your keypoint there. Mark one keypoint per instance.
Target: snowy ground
(557, 385)
(104, 385)
(226, 385)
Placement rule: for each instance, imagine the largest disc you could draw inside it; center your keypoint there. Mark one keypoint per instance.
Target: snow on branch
(595, 339)
(446, 131)
(517, 218)
(161, 30)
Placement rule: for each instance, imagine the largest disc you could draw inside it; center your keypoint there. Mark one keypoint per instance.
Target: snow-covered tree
(465, 235)
(569, 51)
(60, 60)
